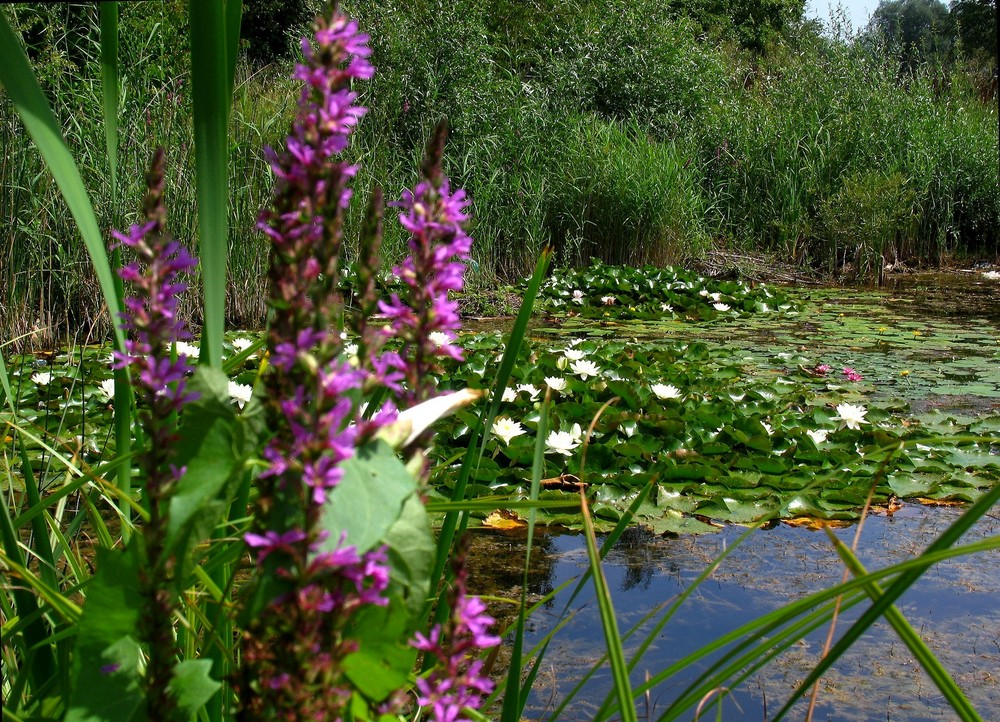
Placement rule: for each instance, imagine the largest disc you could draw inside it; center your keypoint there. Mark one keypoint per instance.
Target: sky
(858, 11)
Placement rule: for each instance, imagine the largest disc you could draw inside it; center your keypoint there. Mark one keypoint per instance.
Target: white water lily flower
(241, 344)
(42, 378)
(578, 297)
(532, 391)
(556, 383)
(818, 435)
(507, 429)
(703, 293)
(715, 296)
(509, 395)
(608, 300)
(851, 416)
(574, 354)
(188, 349)
(665, 391)
(666, 308)
(720, 306)
(108, 388)
(440, 338)
(563, 442)
(240, 393)
(585, 369)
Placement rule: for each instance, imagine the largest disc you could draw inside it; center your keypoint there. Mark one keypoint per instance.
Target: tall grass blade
(212, 98)
(109, 93)
(921, 652)
(947, 539)
(109, 89)
(234, 17)
(616, 655)
(29, 101)
(212, 71)
(513, 701)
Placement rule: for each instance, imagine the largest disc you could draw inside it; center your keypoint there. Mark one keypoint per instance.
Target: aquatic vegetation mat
(792, 413)
(600, 291)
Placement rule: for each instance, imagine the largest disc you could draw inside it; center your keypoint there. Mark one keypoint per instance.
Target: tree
(975, 23)
(918, 30)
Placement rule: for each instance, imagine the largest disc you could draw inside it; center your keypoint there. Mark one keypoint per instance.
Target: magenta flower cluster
(152, 327)
(301, 604)
(457, 681)
(293, 647)
(427, 320)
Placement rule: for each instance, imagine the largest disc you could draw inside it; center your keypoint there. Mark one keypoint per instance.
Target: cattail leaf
(212, 99)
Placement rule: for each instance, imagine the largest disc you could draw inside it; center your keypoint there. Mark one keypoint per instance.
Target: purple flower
(426, 318)
(458, 680)
(852, 375)
(272, 541)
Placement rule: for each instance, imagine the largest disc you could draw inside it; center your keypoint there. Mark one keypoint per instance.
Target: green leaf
(627, 392)
(411, 554)
(212, 89)
(213, 444)
(105, 668)
(369, 498)
(192, 685)
(384, 659)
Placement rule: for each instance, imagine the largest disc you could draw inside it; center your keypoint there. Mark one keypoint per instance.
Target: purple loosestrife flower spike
(435, 216)
(303, 599)
(458, 681)
(152, 327)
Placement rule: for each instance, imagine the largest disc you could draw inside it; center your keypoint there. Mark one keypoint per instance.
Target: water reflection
(955, 607)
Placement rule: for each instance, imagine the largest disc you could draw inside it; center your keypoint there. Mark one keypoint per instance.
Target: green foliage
(270, 28)
(869, 221)
(917, 30)
(754, 24)
(975, 23)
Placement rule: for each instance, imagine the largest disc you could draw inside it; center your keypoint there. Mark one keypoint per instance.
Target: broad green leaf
(105, 667)
(213, 444)
(369, 498)
(384, 659)
(192, 685)
(411, 554)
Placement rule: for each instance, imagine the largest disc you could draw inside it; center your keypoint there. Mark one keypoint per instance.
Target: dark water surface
(955, 607)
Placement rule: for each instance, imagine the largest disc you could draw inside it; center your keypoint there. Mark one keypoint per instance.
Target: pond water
(929, 341)
(955, 607)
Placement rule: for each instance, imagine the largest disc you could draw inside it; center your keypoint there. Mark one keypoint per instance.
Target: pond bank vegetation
(630, 132)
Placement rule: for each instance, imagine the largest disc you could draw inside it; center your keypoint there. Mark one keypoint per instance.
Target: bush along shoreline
(625, 132)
